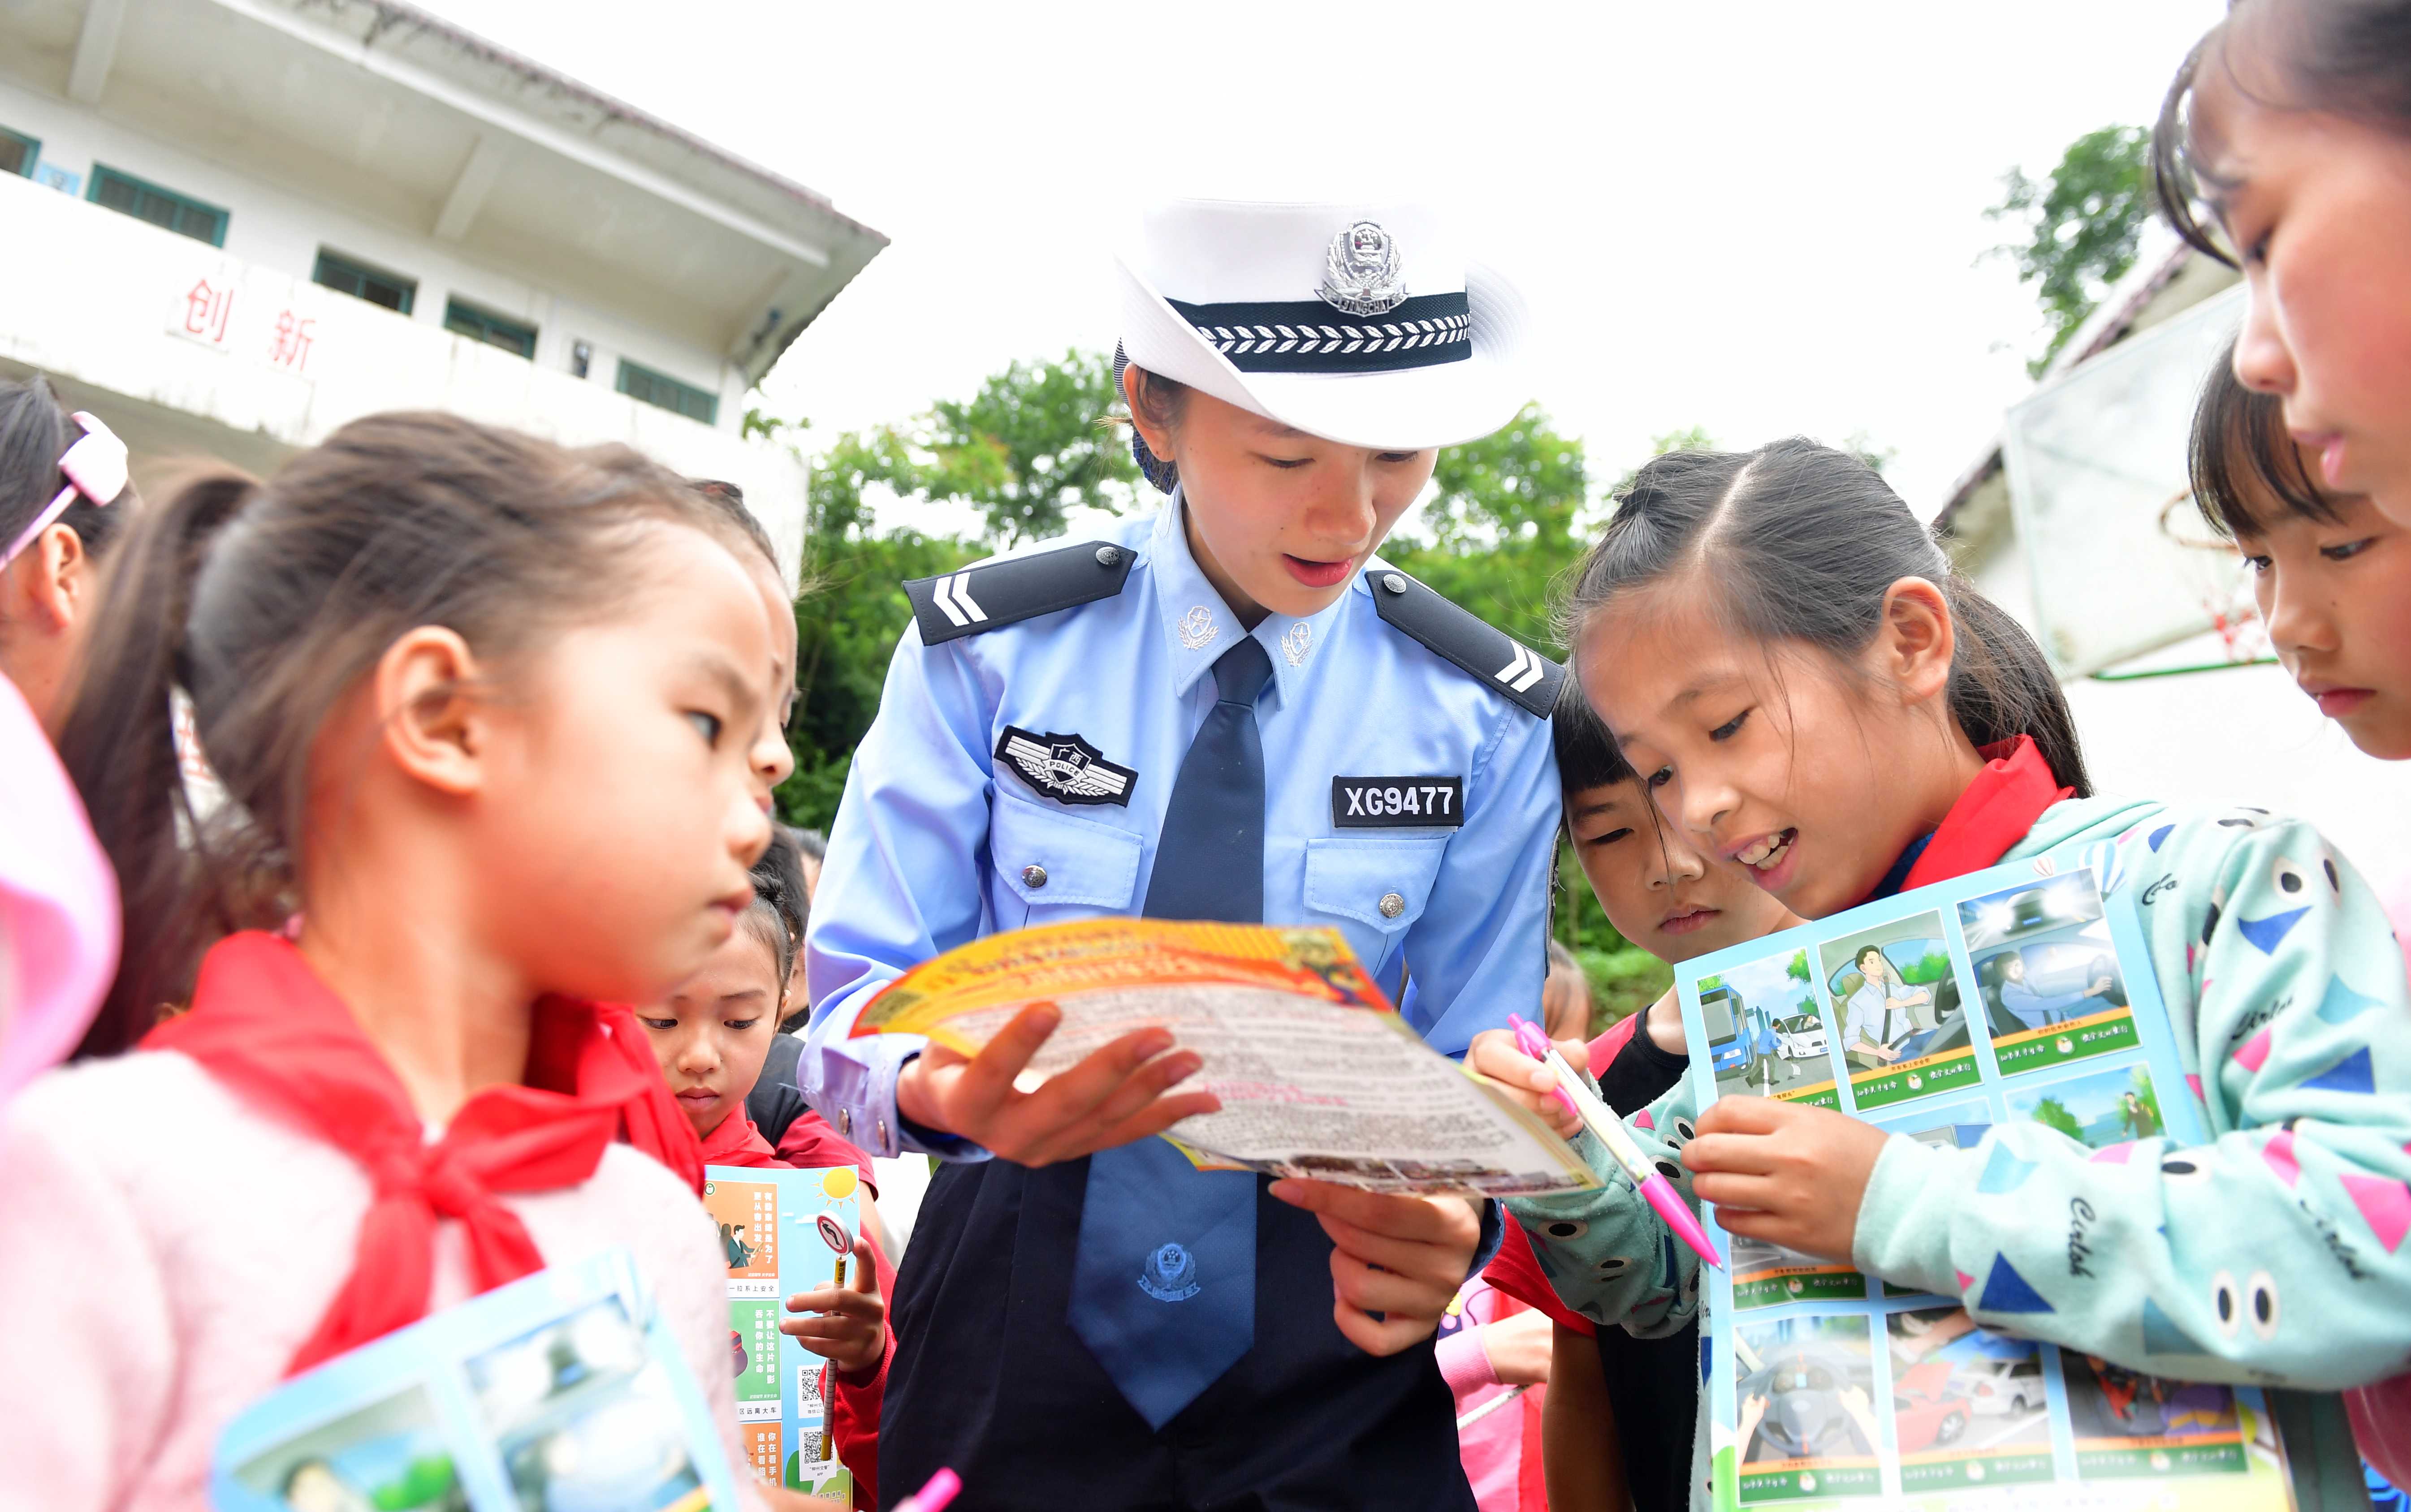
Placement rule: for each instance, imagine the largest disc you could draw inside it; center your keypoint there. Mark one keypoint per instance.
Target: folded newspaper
(2023, 994)
(1317, 1075)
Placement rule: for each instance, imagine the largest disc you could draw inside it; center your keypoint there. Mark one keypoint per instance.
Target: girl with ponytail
(483, 714)
(1786, 657)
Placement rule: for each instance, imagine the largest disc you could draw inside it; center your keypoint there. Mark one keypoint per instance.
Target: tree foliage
(1689, 439)
(1499, 527)
(1029, 448)
(2082, 224)
(1622, 981)
(851, 612)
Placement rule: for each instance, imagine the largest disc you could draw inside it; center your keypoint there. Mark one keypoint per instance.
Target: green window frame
(361, 281)
(113, 189)
(463, 319)
(661, 390)
(19, 153)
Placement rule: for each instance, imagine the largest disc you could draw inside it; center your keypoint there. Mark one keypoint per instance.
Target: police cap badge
(1363, 274)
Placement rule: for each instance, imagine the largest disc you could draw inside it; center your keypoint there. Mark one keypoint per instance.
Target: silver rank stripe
(959, 608)
(1392, 337)
(1523, 671)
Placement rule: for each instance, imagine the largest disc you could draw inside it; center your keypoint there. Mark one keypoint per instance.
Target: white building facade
(2238, 734)
(228, 226)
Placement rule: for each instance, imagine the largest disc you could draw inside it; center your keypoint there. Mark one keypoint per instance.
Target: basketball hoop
(2121, 568)
(2223, 587)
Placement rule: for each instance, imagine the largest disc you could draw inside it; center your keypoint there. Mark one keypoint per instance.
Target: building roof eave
(505, 76)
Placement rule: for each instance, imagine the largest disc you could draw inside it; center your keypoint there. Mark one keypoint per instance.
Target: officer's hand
(1119, 1094)
(846, 1326)
(1402, 1257)
(1495, 1055)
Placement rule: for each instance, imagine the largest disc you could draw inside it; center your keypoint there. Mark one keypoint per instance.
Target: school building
(2080, 522)
(227, 226)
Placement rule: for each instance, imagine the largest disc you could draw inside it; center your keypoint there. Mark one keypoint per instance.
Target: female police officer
(1214, 713)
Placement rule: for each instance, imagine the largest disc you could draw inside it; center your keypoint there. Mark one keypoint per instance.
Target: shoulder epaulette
(991, 594)
(1490, 654)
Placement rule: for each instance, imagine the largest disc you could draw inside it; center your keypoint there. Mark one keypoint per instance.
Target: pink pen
(1601, 1121)
(934, 1497)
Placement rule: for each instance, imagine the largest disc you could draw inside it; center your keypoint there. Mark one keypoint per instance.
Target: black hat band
(1309, 335)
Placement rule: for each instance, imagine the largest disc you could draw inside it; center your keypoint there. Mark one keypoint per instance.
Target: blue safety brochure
(782, 1232)
(2021, 994)
(559, 1392)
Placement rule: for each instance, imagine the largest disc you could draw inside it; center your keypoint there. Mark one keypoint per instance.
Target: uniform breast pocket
(1374, 887)
(1050, 860)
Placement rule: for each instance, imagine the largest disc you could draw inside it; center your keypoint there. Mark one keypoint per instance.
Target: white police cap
(1360, 321)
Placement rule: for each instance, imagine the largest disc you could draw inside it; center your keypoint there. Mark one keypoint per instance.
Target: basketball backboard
(2121, 561)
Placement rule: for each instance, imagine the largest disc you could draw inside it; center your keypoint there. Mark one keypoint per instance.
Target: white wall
(280, 227)
(2245, 736)
(110, 302)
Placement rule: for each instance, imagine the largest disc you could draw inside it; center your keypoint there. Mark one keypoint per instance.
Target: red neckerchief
(1995, 813)
(263, 1024)
(1604, 1049)
(737, 1143)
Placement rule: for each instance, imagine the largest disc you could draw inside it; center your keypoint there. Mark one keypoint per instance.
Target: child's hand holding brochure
(2018, 994)
(1318, 1076)
(783, 1232)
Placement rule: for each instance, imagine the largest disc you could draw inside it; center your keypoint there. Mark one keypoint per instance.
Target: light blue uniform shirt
(934, 839)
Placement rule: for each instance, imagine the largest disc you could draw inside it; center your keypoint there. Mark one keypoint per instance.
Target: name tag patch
(1368, 802)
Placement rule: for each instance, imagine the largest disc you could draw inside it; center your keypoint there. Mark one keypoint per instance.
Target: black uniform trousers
(989, 1378)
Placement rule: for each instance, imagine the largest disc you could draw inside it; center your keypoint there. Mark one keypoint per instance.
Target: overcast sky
(1759, 218)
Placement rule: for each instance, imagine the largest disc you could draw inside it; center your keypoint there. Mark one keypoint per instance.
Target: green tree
(1863, 446)
(1621, 982)
(1689, 439)
(2053, 1114)
(1499, 526)
(850, 613)
(1025, 450)
(1797, 968)
(1029, 448)
(2083, 223)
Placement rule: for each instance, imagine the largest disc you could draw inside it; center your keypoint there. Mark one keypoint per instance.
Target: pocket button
(1034, 877)
(1393, 904)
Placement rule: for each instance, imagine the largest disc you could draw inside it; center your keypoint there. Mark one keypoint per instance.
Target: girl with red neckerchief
(489, 716)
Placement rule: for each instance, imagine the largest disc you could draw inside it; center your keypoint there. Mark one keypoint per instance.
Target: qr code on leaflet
(807, 1387)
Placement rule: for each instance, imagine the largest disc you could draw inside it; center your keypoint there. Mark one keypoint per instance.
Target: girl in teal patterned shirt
(1750, 626)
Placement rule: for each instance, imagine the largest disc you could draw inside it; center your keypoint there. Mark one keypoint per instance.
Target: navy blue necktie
(1163, 1291)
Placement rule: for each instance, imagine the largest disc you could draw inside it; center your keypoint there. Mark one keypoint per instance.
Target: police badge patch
(1363, 274)
(1170, 1274)
(1065, 767)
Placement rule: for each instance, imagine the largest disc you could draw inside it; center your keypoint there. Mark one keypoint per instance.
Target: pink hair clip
(94, 467)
